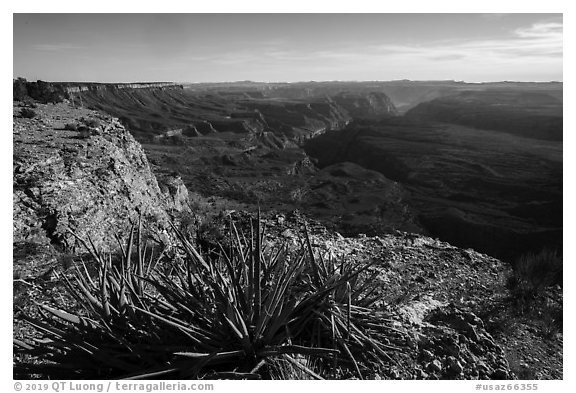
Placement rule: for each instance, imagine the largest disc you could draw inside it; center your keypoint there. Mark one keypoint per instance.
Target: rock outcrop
(95, 181)
(175, 191)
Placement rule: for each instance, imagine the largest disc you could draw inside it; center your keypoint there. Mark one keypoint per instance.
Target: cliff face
(369, 104)
(94, 181)
(298, 120)
(306, 118)
(71, 88)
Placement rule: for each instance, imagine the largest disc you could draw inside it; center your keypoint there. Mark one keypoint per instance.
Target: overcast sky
(287, 47)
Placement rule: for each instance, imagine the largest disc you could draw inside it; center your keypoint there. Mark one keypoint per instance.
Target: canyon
(478, 165)
(442, 184)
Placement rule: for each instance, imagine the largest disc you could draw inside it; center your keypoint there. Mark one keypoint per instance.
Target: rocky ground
(450, 305)
(438, 292)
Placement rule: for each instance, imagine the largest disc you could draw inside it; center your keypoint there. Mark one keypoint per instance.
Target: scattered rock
(435, 366)
(454, 365)
(500, 374)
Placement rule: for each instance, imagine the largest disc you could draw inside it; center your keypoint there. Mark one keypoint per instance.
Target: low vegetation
(92, 123)
(534, 284)
(27, 113)
(84, 126)
(250, 311)
(534, 272)
(40, 91)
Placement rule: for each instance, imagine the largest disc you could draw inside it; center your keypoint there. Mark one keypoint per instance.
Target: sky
(287, 47)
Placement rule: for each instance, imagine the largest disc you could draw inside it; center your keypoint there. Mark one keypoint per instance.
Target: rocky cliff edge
(77, 169)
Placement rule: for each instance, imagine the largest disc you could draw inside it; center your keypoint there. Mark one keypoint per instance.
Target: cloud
(541, 31)
(540, 40)
(55, 47)
(453, 56)
(532, 50)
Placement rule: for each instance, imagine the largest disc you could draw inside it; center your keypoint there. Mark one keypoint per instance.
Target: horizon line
(302, 81)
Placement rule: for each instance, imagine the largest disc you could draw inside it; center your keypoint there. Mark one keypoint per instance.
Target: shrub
(533, 273)
(84, 132)
(29, 103)
(27, 113)
(244, 314)
(298, 194)
(71, 126)
(44, 92)
(41, 91)
(536, 271)
(92, 123)
(19, 90)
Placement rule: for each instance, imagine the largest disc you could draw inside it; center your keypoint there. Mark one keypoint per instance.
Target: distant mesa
(75, 87)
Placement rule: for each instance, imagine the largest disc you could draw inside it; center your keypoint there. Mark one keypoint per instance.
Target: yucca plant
(295, 367)
(101, 334)
(236, 315)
